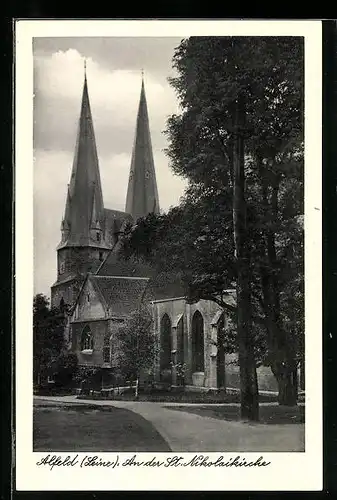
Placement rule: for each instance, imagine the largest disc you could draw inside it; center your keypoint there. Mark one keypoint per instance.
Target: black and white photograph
(170, 252)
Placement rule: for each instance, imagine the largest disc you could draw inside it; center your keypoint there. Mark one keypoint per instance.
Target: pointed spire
(84, 191)
(142, 195)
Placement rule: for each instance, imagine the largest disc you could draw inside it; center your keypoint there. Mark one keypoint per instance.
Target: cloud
(51, 175)
(152, 54)
(114, 96)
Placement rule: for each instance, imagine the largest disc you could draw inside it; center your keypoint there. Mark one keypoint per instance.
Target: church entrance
(220, 362)
(165, 349)
(198, 361)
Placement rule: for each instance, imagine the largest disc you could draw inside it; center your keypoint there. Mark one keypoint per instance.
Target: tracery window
(198, 363)
(165, 342)
(87, 341)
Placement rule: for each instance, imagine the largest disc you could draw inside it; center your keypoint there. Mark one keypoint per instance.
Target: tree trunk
(283, 365)
(137, 387)
(302, 375)
(287, 381)
(248, 377)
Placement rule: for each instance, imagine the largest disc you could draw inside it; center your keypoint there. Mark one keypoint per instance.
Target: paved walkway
(187, 432)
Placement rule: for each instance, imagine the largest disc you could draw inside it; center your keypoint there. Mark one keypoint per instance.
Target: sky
(114, 80)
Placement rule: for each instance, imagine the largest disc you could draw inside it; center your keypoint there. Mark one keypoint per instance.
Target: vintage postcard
(168, 255)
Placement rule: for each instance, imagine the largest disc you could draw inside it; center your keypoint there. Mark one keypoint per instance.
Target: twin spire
(84, 219)
(142, 194)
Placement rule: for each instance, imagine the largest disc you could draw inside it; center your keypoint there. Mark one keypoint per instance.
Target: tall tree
(248, 376)
(216, 76)
(249, 159)
(48, 335)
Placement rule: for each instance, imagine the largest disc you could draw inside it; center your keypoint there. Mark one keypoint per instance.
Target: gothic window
(100, 256)
(106, 350)
(98, 236)
(181, 351)
(165, 343)
(88, 297)
(198, 363)
(87, 341)
(221, 374)
(181, 341)
(62, 267)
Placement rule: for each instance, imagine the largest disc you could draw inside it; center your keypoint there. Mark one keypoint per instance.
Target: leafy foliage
(136, 345)
(65, 368)
(196, 238)
(48, 331)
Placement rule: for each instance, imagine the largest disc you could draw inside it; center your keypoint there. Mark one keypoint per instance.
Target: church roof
(115, 264)
(122, 295)
(117, 214)
(68, 279)
(114, 220)
(84, 205)
(142, 194)
(165, 285)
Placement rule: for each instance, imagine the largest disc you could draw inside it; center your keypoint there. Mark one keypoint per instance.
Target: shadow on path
(273, 414)
(58, 427)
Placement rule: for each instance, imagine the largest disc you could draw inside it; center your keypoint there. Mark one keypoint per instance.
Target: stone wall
(178, 309)
(98, 329)
(67, 291)
(89, 305)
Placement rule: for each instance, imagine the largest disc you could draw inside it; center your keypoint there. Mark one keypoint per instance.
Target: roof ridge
(116, 210)
(120, 277)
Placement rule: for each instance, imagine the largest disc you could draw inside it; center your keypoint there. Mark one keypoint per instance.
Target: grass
(269, 414)
(60, 427)
(182, 397)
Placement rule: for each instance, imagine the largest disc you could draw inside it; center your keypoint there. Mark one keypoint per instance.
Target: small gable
(122, 295)
(90, 304)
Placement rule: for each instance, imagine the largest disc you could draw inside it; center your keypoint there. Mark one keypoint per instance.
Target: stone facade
(74, 263)
(182, 359)
(217, 369)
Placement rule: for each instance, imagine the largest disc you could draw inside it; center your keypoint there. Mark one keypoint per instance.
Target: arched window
(180, 352)
(106, 350)
(87, 341)
(221, 373)
(181, 341)
(165, 342)
(198, 362)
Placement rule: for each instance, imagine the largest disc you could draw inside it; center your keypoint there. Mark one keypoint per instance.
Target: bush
(66, 367)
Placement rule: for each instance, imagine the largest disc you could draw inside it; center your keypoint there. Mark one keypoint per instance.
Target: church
(103, 289)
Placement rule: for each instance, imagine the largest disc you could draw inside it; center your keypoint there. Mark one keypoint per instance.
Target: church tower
(86, 237)
(142, 194)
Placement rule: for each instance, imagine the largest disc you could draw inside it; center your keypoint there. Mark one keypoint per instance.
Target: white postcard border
(287, 471)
